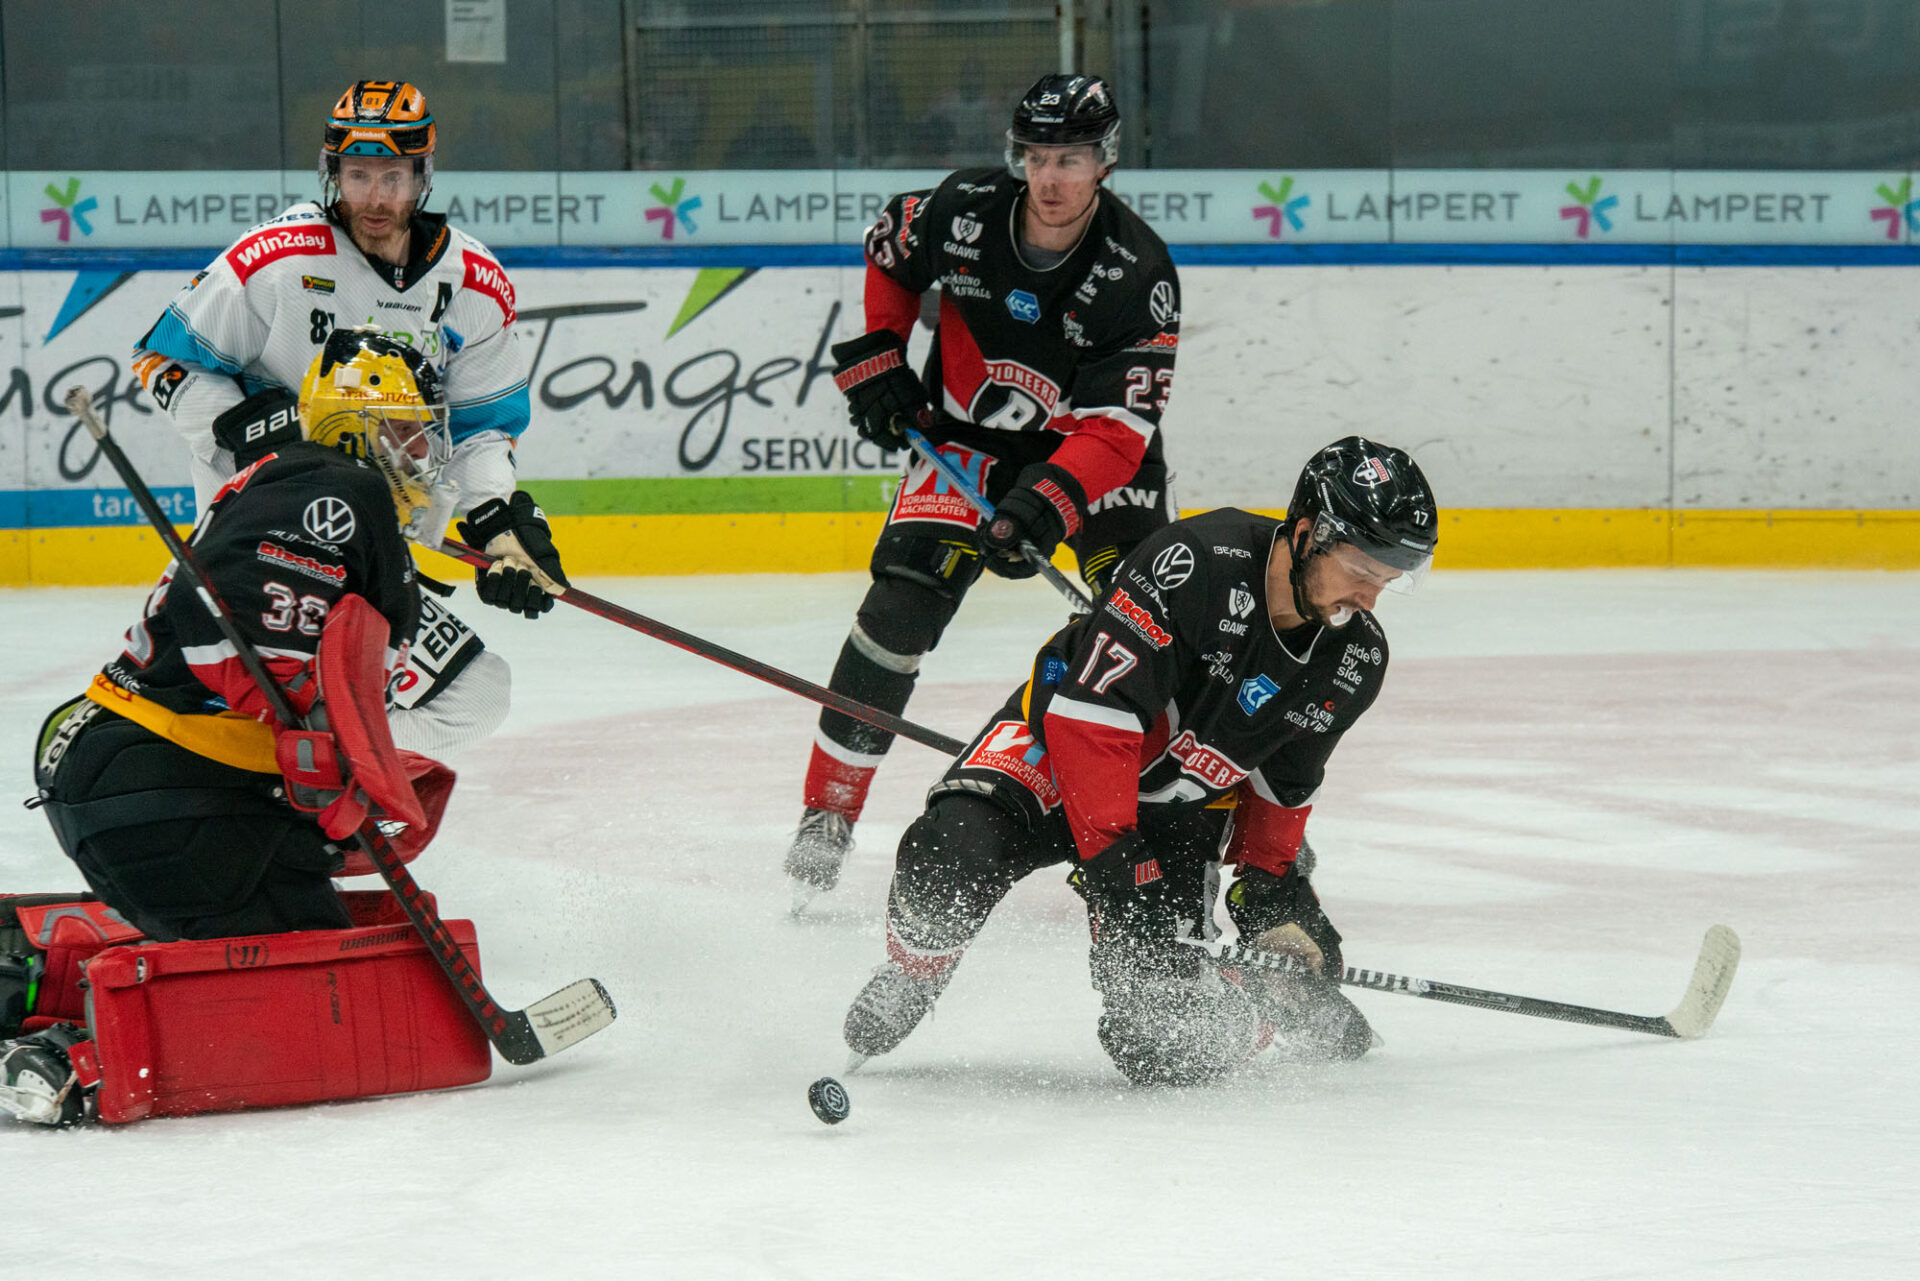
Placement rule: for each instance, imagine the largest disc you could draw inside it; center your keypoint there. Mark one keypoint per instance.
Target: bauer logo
(1023, 306)
(257, 251)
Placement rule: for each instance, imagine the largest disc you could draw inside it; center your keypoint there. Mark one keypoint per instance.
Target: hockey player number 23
(1140, 388)
(1123, 662)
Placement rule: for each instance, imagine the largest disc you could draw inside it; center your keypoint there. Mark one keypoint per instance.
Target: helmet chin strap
(1299, 545)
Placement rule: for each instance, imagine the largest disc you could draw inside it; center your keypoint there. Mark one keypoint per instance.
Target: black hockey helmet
(1065, 111)
(1369, 495)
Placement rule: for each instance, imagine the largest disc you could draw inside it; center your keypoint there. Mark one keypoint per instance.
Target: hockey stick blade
(1712, 977)
(553, 1023)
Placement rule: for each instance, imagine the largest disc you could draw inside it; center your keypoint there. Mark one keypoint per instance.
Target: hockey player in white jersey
(226, 358)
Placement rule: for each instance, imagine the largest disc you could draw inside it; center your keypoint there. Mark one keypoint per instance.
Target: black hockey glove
(259, 424)
(1043, 508)
(1283, 914)
(1133, 917)
(871, 372)
(526, 569)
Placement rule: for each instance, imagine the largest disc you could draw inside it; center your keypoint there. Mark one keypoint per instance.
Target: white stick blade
(1712, 976)
(572, 1014)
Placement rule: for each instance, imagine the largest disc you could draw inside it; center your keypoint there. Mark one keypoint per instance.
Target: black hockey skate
(889, 1007)
(1312, 1020)
(37, 1082)
(818, 853)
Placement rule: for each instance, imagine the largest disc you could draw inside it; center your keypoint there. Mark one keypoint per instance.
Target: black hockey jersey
(283, 540)
(1084, 348)
(1178, 690)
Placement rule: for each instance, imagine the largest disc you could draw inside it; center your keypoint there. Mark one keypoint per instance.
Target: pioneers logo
(1901, 209)
(1589, 207)
(1282, 208)
(674, 208)
(69, 210)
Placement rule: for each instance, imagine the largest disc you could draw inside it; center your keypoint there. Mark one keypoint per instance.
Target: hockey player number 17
(1123, 662)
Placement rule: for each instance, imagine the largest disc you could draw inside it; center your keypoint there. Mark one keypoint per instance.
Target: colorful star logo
(1279, 211)
(672, 209)
(1901, 208)
(1588, 207)
(69, 210)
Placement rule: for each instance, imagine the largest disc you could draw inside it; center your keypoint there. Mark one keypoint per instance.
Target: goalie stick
(960, 485)
(546, 1027)
(728, 658)
(1712, 976)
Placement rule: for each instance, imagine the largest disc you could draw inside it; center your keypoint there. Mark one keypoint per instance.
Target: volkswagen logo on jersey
(1255, 691)
(1173, 566)
(1160, 304)
(1024, 306)
(328, 519)
(966, 228)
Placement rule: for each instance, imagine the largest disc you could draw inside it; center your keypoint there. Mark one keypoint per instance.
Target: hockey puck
(829, 1101)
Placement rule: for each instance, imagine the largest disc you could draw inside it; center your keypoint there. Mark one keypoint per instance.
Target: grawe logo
(69, 210)
(1588, 207)
(672, 208)
(1901, 208)
(1279, 211)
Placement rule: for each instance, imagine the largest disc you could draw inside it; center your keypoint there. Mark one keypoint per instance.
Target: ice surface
(1568, 777)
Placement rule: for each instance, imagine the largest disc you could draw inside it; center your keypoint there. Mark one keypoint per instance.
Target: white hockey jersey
(259, 314)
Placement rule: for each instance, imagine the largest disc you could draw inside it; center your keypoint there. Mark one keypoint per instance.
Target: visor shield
(1395, 569)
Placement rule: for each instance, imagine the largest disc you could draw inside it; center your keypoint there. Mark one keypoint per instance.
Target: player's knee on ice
(1161, 1031)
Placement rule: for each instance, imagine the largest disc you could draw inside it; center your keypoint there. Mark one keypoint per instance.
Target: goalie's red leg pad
(66, 933)
(836, 785)
(219, 1025)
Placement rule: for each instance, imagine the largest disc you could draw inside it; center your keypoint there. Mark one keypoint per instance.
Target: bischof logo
(1589, 207)
(1371, 474)
(1162, 305)
(1901, 208)
(1024, 306)
(69, 210)
(329, 519)
(673, 209)
(1282, 208)
(966, 228)
(1173, 566)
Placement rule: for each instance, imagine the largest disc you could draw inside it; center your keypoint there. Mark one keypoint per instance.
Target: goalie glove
(871, 372)
(1044, 507)
(526, 573)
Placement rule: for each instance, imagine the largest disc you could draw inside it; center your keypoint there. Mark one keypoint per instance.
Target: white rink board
(1543, 387)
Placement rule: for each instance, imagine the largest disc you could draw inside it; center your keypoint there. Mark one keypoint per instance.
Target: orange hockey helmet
(379, 118)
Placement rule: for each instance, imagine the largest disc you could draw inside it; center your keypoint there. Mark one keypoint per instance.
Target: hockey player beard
(377, 199)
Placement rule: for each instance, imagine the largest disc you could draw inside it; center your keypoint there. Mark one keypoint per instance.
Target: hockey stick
(547, 1026)
(1712, 976)
(728, 658)
(958, 481)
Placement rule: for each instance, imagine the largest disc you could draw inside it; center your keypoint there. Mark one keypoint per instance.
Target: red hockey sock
(837, 784)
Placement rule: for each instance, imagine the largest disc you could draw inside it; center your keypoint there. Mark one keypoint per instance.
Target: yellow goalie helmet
(378, 399)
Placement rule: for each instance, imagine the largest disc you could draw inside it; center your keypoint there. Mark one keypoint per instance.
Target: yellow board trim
(823, 542)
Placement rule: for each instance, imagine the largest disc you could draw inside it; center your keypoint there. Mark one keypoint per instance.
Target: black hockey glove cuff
(1044, 507)
(871, 372)
(1261, 902)
(259, 424)
(1126, 871)
(526, 573)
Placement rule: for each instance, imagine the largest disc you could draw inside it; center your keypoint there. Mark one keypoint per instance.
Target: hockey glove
(1283, 914)
(1043, 508)
(526, 574)
(871, 372)
(259, 424)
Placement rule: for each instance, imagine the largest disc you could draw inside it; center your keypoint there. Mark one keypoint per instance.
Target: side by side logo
(1589, 207)
(69, 210)
(672, 209)
(1901, 208)
(1280, 211)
